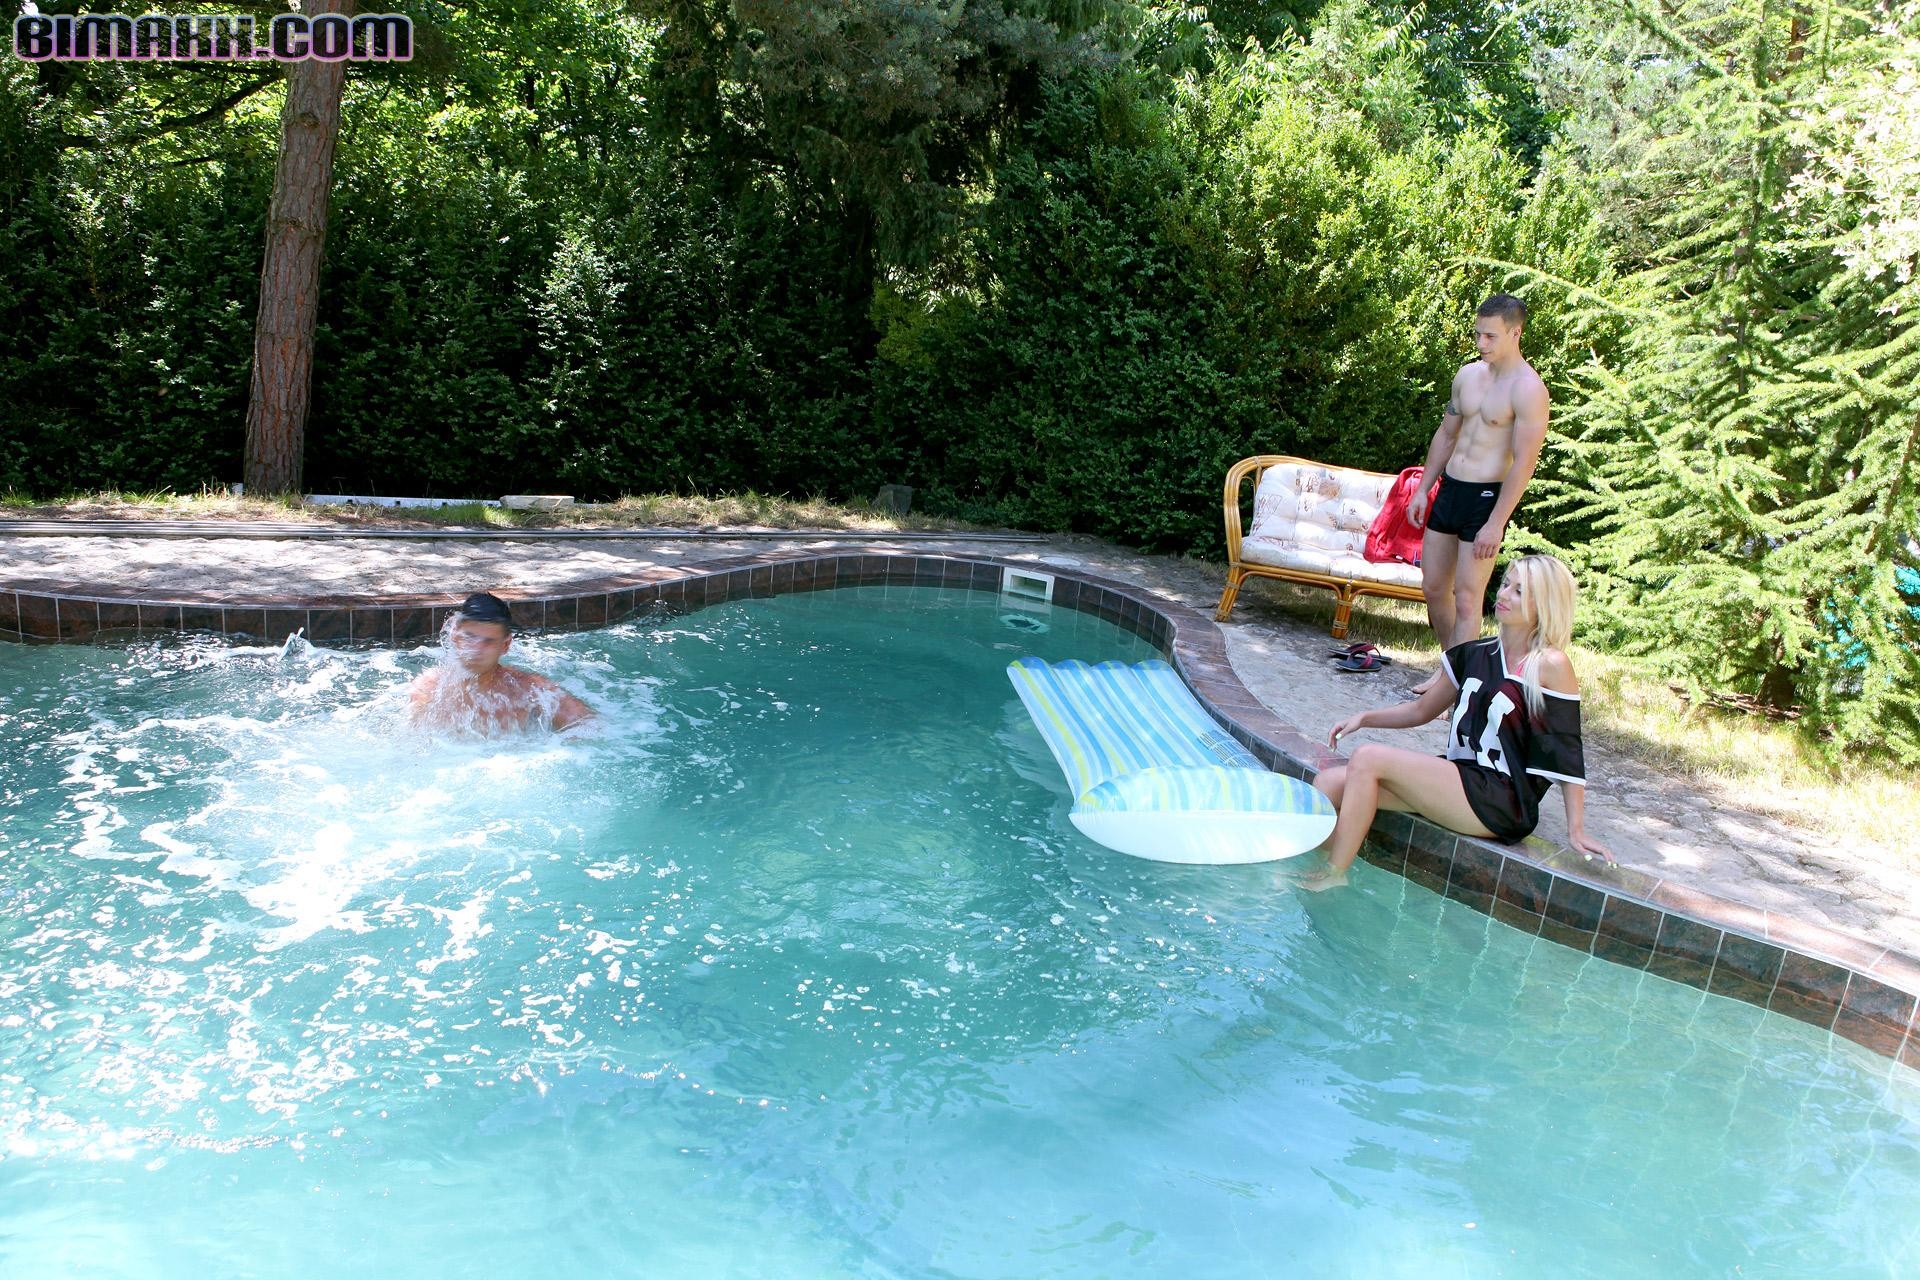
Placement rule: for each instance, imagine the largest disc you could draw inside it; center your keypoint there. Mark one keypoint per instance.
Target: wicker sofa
(1310, 525)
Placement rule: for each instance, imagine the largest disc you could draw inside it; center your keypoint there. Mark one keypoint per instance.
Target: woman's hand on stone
(1590, 848)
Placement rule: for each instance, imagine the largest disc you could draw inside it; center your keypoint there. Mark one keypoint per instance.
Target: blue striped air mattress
(1152, 774)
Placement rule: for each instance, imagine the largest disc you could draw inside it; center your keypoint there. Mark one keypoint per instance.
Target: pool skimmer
(1021, 585)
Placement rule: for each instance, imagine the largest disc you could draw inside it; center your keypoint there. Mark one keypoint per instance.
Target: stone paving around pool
(1655, 825)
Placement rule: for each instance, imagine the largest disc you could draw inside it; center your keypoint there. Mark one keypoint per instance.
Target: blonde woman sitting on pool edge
(1515, 732)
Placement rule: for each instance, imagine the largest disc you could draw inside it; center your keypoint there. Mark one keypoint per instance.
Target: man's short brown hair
(1510, 309)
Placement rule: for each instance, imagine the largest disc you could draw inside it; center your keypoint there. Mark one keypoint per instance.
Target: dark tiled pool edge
(1840, 983)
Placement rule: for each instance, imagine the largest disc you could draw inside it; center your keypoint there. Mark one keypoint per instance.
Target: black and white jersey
(1507, 758)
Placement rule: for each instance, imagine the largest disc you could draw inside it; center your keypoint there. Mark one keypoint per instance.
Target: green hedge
(1163, 278)
(1175, 284)
(128, 313)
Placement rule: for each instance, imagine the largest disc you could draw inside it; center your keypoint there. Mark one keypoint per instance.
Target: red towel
(1392, 536)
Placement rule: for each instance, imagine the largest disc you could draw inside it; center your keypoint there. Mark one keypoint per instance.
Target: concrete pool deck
(1655, 825)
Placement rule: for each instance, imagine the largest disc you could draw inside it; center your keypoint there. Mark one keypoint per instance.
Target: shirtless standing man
(475, 691)
(1488, 444)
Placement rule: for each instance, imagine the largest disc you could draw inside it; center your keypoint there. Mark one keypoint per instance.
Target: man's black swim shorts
(1463, 507)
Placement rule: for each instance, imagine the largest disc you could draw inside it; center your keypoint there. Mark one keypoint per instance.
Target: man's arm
(570, 712)
(1437, 454)
(420, 695)
(1529, 437)
(566, 710)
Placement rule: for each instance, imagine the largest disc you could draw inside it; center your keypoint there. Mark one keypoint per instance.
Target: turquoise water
(797, 968)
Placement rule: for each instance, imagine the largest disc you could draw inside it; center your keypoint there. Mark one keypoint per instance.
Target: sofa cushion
(1312, 517)
(1344, 567)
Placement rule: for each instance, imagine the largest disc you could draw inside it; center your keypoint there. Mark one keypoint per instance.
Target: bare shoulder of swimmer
(561, 708)
(421, 691)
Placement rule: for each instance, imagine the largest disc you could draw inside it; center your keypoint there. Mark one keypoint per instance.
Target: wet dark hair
(1504, 305)
(484, 606)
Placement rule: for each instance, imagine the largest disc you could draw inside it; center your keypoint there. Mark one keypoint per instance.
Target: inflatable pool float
(1151, 773)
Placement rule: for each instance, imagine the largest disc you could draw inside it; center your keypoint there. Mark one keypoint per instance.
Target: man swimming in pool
(1486, 449)
(473, 690)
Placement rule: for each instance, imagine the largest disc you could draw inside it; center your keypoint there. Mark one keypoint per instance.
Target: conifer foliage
(1747, 458)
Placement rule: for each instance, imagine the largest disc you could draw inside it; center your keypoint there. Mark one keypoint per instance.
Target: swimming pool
(800, 969)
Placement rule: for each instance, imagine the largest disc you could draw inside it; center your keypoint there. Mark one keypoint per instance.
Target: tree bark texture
(283, 331)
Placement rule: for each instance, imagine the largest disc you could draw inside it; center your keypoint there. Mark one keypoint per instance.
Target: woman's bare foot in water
(1322, 879)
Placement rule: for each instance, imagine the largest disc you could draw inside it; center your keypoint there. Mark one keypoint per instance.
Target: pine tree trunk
(1778, 689)
(290, 272)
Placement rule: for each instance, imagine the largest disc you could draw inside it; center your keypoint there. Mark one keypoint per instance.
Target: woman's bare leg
(1379, 777)
(1331, 782)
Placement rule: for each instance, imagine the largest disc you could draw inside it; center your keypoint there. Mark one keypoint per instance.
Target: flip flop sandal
(1360, 649)
(1360, 662)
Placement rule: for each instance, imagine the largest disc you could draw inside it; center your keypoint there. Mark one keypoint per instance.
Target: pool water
(797, 968)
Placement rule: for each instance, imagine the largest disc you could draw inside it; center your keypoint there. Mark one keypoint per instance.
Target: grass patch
(1628, 705)
(114, 504)
(1747, 760)
(654, 511)
(760, 511)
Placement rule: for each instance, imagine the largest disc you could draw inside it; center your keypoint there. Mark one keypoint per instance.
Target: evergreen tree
(1749, 460)
(873, 115)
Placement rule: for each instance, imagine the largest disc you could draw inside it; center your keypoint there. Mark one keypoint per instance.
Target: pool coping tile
(371, 626)
(1475, 874)
(245, 624)
(1572, 917)
(329, 626)
(1374, 852)
(1634, 924)
(78, 620)
(159, 617)
(1686, 951)
(1430, 855)
(1391, 832)
(1746, 969)
(1809, 989)
(204, 619)
(411, 625)
(38, 616)
(1875, 1015)
(1525, 887)
(1618, 951)
(1511, 914)
(118, 615)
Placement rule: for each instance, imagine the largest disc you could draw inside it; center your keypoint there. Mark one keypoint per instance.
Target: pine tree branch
(1572, 288)
(159, 129)
(1903, 478)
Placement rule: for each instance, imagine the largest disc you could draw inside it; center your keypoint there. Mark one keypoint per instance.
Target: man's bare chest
(1487, 402)
(505, 706)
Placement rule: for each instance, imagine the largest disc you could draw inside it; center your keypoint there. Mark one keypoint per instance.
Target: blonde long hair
(1546, 602)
